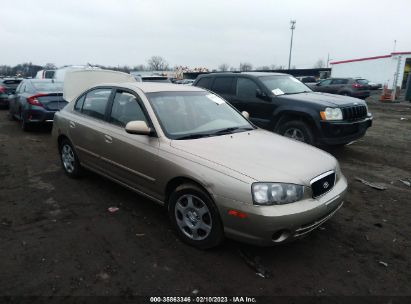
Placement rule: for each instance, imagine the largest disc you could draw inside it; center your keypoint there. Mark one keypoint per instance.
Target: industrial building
(391, 70)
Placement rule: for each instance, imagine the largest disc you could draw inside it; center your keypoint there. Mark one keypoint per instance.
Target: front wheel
(195, 217)
(297, 130)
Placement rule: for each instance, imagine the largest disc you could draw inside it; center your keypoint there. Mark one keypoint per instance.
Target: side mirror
(260, 94)
(138, 127)
(245, 114)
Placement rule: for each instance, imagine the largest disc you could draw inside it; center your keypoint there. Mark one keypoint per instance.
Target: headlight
(331, 114)
(276, 193)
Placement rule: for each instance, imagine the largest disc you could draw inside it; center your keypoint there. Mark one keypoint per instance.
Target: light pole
(291, 44)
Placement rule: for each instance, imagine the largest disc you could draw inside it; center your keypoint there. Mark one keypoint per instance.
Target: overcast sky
(199, 33)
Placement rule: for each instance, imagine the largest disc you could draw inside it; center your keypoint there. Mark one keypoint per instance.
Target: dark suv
(343, 86)
(283, 104)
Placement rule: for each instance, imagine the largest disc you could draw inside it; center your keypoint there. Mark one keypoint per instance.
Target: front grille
(354, 113)
(323, 183)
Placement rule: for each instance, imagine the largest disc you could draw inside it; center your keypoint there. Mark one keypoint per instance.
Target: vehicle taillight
(356, 85)
(2, 89)
(34, 101)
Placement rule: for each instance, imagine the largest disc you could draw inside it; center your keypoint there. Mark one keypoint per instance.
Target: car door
(323, 86)
(13, 99)
(224, 86)
(249, 97)
(130, 158)
(337, 85)
(87, 124)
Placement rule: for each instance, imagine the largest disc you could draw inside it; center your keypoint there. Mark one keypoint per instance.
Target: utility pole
(291, 44)
(395, 46)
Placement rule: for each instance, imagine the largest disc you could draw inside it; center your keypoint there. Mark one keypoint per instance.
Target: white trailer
(390, 70)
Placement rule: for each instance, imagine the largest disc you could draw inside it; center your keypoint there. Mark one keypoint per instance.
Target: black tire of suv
(78, 169)
(216, 235)
(301, 126)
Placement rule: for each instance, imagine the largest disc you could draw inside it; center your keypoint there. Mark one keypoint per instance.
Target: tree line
(155, 63)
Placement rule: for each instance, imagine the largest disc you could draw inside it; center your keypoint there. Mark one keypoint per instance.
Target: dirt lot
(57, 237)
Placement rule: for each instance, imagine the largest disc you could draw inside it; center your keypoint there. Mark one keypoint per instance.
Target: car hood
(324, 99)
(261, 155)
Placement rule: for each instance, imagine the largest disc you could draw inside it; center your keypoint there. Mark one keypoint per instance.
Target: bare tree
(139, 67)
(264, 67)
(224, 67)
(319, 64)
(50, 66)
(245, 66)
(157, 63)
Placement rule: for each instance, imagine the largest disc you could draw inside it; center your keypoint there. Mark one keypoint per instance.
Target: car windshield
(189, 115)
(284, 84)
(362, 81)
(42, 86)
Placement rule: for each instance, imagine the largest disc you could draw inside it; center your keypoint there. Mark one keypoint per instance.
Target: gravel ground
(57, 237)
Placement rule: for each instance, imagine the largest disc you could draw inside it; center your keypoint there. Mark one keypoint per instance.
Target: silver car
(189, 150)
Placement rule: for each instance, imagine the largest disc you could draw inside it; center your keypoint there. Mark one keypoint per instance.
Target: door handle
(72, 125)
(108, 139)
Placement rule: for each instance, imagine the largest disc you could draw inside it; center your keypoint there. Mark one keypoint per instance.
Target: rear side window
(95, 103)
(362, 81)
(79, 103)
(204, 82)
(223, 85)
(340, 81)
(246, 87)
(125, 109)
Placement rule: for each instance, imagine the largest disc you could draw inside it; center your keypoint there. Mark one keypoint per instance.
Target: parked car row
(198, 150)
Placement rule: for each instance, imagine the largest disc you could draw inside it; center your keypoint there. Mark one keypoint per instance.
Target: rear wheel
(195, 217)
(25, 126)
(69, 159)
(297, 130)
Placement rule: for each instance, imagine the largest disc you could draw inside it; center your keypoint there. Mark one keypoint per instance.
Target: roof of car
(256, 74)
(151, 87)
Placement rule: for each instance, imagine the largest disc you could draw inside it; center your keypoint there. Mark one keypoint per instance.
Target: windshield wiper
(231, 130)
(193, 136)
(297, 92)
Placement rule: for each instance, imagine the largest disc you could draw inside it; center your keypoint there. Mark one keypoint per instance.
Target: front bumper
(337, 133)
(270, 225)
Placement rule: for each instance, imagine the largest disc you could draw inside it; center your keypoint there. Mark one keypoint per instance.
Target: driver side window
(125, 109)
(246, 88)
(325, 82)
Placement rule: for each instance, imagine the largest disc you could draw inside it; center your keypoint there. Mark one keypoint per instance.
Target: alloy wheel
(294, 133)
(193, 217)
(67, 155)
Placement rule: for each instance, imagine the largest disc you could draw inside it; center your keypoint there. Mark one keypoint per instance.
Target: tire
(69, 159)
(195, 217)
(297, 130)
(11, 117)
(25, 126)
